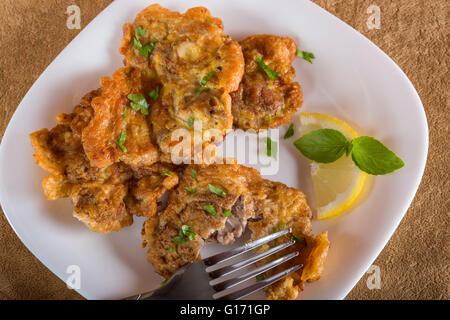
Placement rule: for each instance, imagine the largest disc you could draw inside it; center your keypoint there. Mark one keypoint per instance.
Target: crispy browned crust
(259, 102)
(104, 198)
(189, 46)
(102, 133)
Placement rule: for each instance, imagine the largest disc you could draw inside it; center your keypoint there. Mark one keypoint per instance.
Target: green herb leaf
(163, 282)
(139, 31)
(138, 103)
(226, 213)
(272, 74)
(148, 48)
(323, 145)
(271, 147)
(305, 55)
(124, 114)
(190, 121)
(371, 156)
(154, 94)
(179, 240)
(166, 173)
(170, 249)
(205, 80)
(121, 141)
(192, 191)
(259, 278)
(299, 240)
(217, 190)
(290, 132)
(187, 232)
(194, 174)
(210, 209)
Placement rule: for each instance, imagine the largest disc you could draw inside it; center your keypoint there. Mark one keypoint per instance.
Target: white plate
(350, 78)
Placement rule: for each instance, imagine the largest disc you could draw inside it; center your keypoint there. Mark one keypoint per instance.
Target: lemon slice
(337, 185)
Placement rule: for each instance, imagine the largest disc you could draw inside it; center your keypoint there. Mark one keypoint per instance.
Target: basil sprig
(369, 154)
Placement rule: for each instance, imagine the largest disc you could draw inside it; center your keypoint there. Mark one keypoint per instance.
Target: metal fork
(193, 281)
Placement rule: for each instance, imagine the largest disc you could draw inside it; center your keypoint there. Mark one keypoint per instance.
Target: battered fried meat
(114, 117)
(189, 47)
(266, 206)
(260, 102)
(100, 195)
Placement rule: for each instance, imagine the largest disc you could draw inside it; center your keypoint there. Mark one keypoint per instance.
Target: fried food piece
(213, 217)
(106, 198)
(260, 102)
(186, 48)
(148, 186)
(281, 207)
(114, 117)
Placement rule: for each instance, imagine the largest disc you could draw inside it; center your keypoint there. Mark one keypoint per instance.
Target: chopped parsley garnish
(138, 103)
(217, 190)
(210, 209)
(166, 173)
(154, 94)
(259, 278)
(299, 240)
(305, 55)
(148, 48)
(226, 213)
(170, 249)
(124, 114)
(192, 191)
(121, 141)
(271, 147)
(290, 131)
(163, 282)
(205, 80)
(190, 121)
(272, 74)
(194, 174)
(184, 235)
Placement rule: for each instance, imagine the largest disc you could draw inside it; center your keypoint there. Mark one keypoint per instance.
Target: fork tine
(244, 277)
(259, 285)
(241, 264)
(223, 256)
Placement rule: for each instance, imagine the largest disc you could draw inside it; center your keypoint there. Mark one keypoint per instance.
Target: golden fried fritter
(281, 207)
(261, 102)
(114, 117)
(100, 195)
(212, 201)
(186, 48)
(237, 195)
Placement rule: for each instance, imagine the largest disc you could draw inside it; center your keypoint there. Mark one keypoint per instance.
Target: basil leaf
(154, 94)
(190, 121)
(290, 132)
(121, 141)
(226, 213)
(217, 190)
(272, 74)
(210, 209)
(323, 145)
(194, 174)
(371, 156)
(305, 55)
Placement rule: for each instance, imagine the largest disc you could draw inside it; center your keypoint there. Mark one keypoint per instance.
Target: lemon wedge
(337, 185)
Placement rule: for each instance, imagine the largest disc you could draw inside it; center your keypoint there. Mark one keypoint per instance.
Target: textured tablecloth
(414, 33)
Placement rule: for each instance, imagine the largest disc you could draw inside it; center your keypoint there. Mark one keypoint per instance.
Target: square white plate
(350, 78)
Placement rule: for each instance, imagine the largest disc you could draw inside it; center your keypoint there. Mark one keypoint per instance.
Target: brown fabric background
(415, 262)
